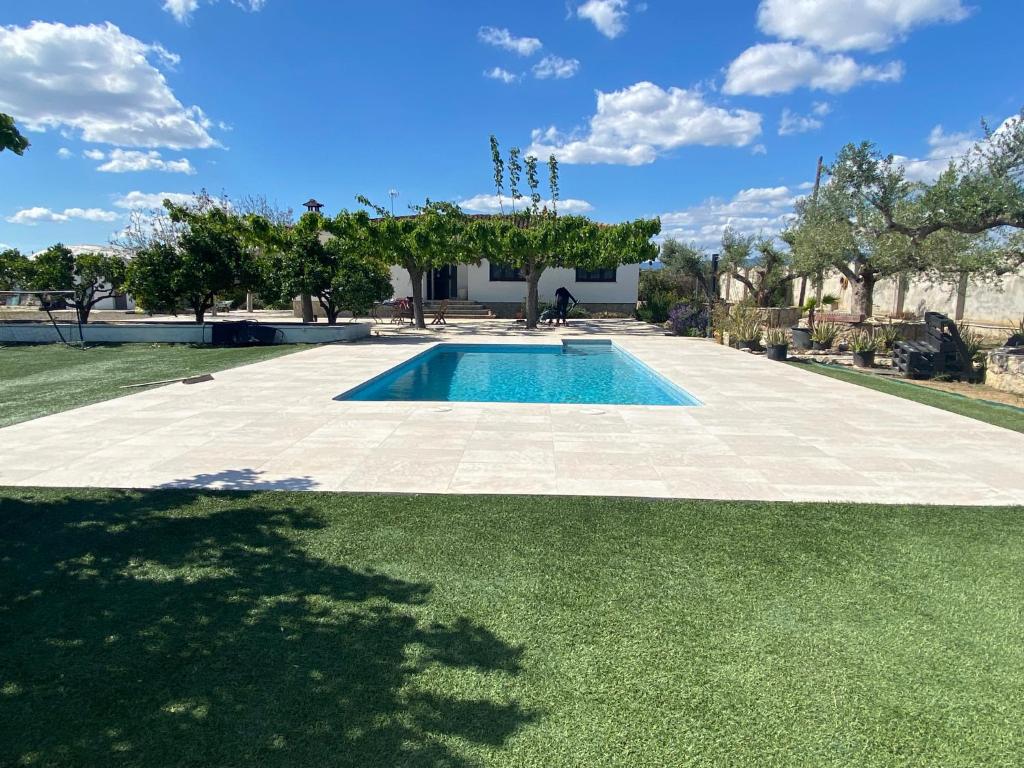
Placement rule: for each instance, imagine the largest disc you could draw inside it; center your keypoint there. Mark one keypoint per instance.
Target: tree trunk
(863, 294)
(532, 280)
(331, 311)
(416, 275)
(200, 313)
(83, 312)
(307, 309)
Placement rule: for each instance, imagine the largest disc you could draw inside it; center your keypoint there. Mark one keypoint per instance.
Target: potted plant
(830, 300)
(745, 327)
(824, 335)
(776, 344)
(864, 346)
(802, 336)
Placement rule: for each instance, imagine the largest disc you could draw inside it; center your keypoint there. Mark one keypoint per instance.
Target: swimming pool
(572, 372)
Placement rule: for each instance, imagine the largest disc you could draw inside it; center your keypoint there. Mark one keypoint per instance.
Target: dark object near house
(942, 351)
(242, 333)
(801, 337)
(777, 352)
(1017, 340)
(864, 359)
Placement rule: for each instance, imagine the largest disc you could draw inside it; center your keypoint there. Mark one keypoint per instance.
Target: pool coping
(676, 390)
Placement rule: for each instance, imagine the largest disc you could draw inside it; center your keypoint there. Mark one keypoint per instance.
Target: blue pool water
(519, 373)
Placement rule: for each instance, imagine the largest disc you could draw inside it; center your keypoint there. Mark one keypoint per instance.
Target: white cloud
(502, 74)
(142, 201)
(944, 147)
(846, 25)
(821, 108)
(759, 149)
(489, 204)
(126, 161)
(791, 123)
(609, 16)
(182, 10)
(64, 153)
(555, 66)
(751, 211)
(770, 68)
(634, 125)
(502, 38)
(39, 215)
(94, 154)
(98, 81)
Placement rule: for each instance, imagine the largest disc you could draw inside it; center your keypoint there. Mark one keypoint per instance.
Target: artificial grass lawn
(196, 628)
(992, 413)
(39, 379)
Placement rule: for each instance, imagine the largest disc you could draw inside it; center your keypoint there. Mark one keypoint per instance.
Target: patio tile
(763, 432)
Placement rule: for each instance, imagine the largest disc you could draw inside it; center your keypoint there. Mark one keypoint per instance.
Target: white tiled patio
(765, 431)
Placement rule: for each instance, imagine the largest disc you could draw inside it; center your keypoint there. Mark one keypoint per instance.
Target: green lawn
(195, 628)
(48, 378)
(993, 413)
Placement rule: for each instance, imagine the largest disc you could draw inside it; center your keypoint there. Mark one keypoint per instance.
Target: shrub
(656, 308)
(685, 317)
(829, 298)
(973, 341)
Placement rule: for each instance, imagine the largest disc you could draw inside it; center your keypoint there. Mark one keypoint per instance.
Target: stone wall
(1005, 369)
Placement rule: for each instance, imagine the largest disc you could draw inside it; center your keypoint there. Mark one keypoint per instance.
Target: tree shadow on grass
(189, 628)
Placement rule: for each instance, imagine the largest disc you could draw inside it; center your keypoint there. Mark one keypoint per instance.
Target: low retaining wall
(1005, 369)
(171, 333)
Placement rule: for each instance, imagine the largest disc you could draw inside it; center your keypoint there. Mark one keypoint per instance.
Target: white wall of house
(622, 291)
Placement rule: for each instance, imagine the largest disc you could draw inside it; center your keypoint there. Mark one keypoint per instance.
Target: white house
(503, 290)
(116, 302)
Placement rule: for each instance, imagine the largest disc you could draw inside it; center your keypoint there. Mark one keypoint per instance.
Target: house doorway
(442, 284)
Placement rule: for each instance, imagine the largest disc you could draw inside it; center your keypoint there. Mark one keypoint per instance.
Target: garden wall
(170, 333)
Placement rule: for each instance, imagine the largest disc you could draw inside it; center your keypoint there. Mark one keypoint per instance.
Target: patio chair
(439, 314)
(399, 309)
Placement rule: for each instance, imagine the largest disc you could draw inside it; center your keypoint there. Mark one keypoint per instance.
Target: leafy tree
(847, 228)
(759, 264)
(98, 276)
(14, 267)
(533, 239)
(686, 268)
(207, 257)
(436, 235)
(53, 269)
(10, 137)
(153, 277)
(332, 259)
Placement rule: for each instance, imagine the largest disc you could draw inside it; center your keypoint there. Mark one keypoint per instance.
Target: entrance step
(460, 308)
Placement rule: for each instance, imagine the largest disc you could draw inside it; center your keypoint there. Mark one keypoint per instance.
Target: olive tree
(760, 264)
(14, 266)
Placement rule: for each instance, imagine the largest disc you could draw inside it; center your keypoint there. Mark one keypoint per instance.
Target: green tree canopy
(333, 260)
(14, 269)
(10, 136)
(534, 238)
(435, 235)
(207, 256)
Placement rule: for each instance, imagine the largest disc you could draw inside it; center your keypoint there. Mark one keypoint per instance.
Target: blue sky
(705, 114)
